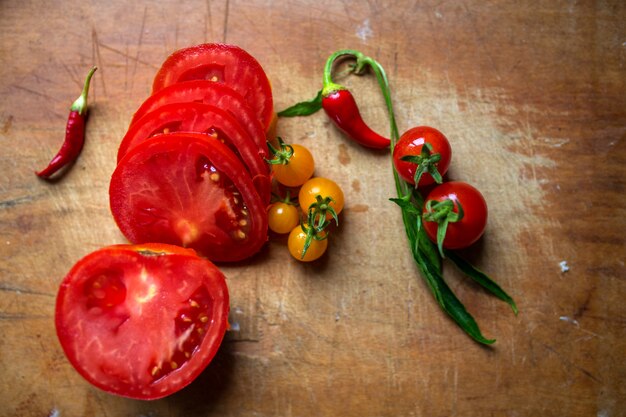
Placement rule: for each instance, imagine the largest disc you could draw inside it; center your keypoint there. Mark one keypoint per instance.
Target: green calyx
(442, 212)
(80, 104)
(282, 155)
(317, 221)
(426, 163)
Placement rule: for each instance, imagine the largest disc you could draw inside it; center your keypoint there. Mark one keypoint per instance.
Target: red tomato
(411, 143)
(471, 227)
(142, 321)
(221, 63)
(207, 92)
(202, 118)
(192, 191)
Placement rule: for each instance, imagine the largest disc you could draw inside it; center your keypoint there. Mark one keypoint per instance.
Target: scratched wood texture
(532, 96)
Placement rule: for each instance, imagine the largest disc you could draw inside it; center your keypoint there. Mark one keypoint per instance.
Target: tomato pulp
(221, 63)
(142, 321)
(188, 190)
(202, 118)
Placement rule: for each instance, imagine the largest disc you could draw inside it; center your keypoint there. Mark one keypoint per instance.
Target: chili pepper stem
(80, 104)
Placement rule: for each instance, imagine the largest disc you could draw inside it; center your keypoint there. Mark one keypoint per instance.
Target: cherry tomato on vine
(141, 321)
(298, 168)
(464, 225)
(296, 242)
(282, 217)
(324, 188)
(431, 160)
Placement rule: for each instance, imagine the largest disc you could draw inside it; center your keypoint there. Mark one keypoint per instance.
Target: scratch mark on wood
(98, 59)
(569, 363)
(8, 316)
(8, 288)
(73, 76)
(139, 43)
(208, 22)
(128, 56)
(36, 93)
(226, 21)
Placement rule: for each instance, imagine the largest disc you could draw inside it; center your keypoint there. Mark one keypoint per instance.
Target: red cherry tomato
(202, 118)
(221, 63)
(188, 190)
(471, 227)
(142, 321)
(411, 143)
(207, 92)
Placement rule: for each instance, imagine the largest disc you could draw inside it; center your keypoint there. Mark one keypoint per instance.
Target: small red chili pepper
(74, 133)
(340, 106)
(342, 109)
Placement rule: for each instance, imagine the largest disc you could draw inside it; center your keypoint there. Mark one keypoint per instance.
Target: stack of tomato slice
(144, 320)
(191, 169)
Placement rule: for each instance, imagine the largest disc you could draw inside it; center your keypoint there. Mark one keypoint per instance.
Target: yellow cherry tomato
(295, 244)
(282, 217)
(297, 170)
(324, 188)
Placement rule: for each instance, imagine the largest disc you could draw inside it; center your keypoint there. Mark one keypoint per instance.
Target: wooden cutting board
(533, 99)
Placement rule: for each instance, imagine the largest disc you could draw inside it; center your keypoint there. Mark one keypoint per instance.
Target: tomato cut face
(221, 63)
(207, 92)
(142, 321)
(207, 119)
(188, 190)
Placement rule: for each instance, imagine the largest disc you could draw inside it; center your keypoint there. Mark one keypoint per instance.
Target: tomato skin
(282, 217)
(323, 187)
(295, 244)
(188, 190)
(118, 313)
(411, 143)
(207, 92)
(471, 227)
(298, 170)
(221, 63)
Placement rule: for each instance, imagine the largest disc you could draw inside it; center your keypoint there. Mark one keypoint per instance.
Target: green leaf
(481, 278)
(304, 108)
(449, 302)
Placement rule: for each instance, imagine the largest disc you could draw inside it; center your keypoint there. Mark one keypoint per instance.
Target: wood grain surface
(532, 96)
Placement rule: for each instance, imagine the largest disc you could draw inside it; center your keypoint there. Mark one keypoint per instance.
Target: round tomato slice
(221, 63)
(202, 118)
(142, 321)
(189, 190)
(207, 92)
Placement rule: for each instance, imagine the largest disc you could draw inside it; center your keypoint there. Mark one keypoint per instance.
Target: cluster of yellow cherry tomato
(320, 200)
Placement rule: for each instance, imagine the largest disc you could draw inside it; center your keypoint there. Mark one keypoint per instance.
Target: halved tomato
(188, 190)
(142, 321)
(207, 92)
(221, 63)
(202, 118)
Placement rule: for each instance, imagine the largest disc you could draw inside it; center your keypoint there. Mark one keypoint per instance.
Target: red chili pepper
(74, 133)
(342, 109)
(340, 106)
